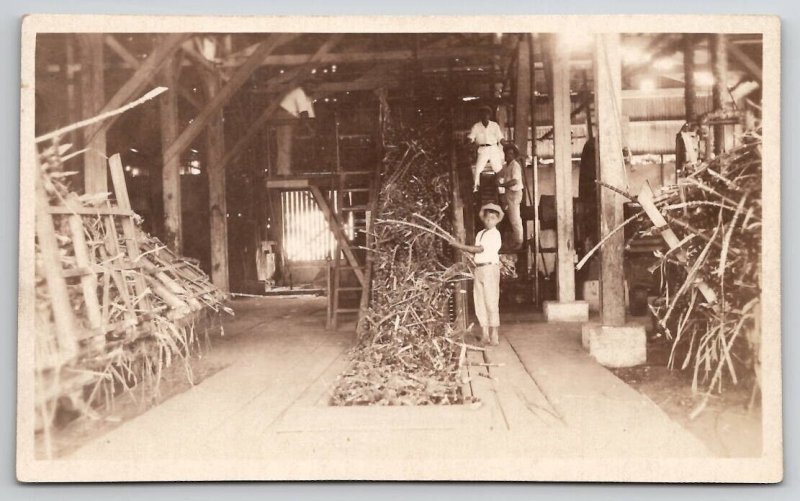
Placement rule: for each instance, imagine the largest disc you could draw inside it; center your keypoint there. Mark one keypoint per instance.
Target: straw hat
(493, 207)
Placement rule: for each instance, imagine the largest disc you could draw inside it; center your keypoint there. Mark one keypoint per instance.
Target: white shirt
(296, 102)
(512, 170)
(491, 134)
(490, 241)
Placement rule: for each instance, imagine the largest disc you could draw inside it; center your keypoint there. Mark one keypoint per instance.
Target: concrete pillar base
(615, 346)
(572, 311)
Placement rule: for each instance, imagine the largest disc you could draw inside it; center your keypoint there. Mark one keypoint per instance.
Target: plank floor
(264, 415)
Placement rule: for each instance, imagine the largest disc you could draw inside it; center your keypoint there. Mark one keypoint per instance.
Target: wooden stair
(348, 278)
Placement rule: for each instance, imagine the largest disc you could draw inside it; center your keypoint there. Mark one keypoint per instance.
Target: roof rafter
(120, 50)
(295, 76)
(239, 77)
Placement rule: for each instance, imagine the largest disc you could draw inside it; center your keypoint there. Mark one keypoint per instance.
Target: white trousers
(486, 293)
(513, 200)
(492, 155)
(284, 135)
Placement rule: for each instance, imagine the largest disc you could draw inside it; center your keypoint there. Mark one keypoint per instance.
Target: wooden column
(218, 208)
(95, 178)
(689, 92)
(522, 91)
(532, 180)
(562, 138)
(608, 102)
(171, 175)
(459, 228)
(719, 68)
(73, 114)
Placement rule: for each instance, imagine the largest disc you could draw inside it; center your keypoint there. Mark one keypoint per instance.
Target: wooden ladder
(348, 216)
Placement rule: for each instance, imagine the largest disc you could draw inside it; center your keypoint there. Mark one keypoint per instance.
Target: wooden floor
(265, 415)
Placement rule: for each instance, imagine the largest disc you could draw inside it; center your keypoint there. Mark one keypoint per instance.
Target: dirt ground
(725, 426)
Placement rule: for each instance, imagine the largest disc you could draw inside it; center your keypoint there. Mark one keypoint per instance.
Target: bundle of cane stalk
(408, 354)
(708, 305)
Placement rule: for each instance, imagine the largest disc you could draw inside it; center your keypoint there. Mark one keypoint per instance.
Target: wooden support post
(459, 229)
(73, 114)
(689, 92)
(562, 138)
(95, 177)
(217, 202)
(532, 180)
(719, 68)
(170, 175)
(608, 100)
(522, 91)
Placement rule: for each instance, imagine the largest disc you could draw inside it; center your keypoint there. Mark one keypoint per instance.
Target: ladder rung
(356, 172)
(354, 208)
(347, 310)
(350, 289)
(348, 267)
(356, 189)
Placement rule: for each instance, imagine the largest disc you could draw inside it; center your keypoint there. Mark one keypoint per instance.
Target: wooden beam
(358, 84)
(522, 94)
(335, 225)
(95, 173)
(750, 66)
(73, 113)
(139, 79)
(562, 138)
(689, 90)
(608, 102)
(120, 50)
(187, 48)
(532, 184)
(719, 92)
(459, 228)
(170, 175)
(377, 56)
(223, 95)
(296, 76)
(217, 202)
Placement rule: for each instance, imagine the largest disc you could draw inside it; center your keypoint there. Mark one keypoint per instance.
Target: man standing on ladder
(511, 182)
(296, 109)
(488, 138)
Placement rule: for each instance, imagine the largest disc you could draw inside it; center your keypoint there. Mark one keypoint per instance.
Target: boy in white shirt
(488, 138)
(486, 288)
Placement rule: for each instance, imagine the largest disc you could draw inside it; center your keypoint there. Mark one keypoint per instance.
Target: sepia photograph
(513, 248)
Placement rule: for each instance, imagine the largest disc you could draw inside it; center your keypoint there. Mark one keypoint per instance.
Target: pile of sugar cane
(409, 352)
(709, 302)
(139, 334)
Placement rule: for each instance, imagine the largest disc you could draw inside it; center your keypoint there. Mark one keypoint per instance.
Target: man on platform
(511, 180)
(488, 138)
(295, 110)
